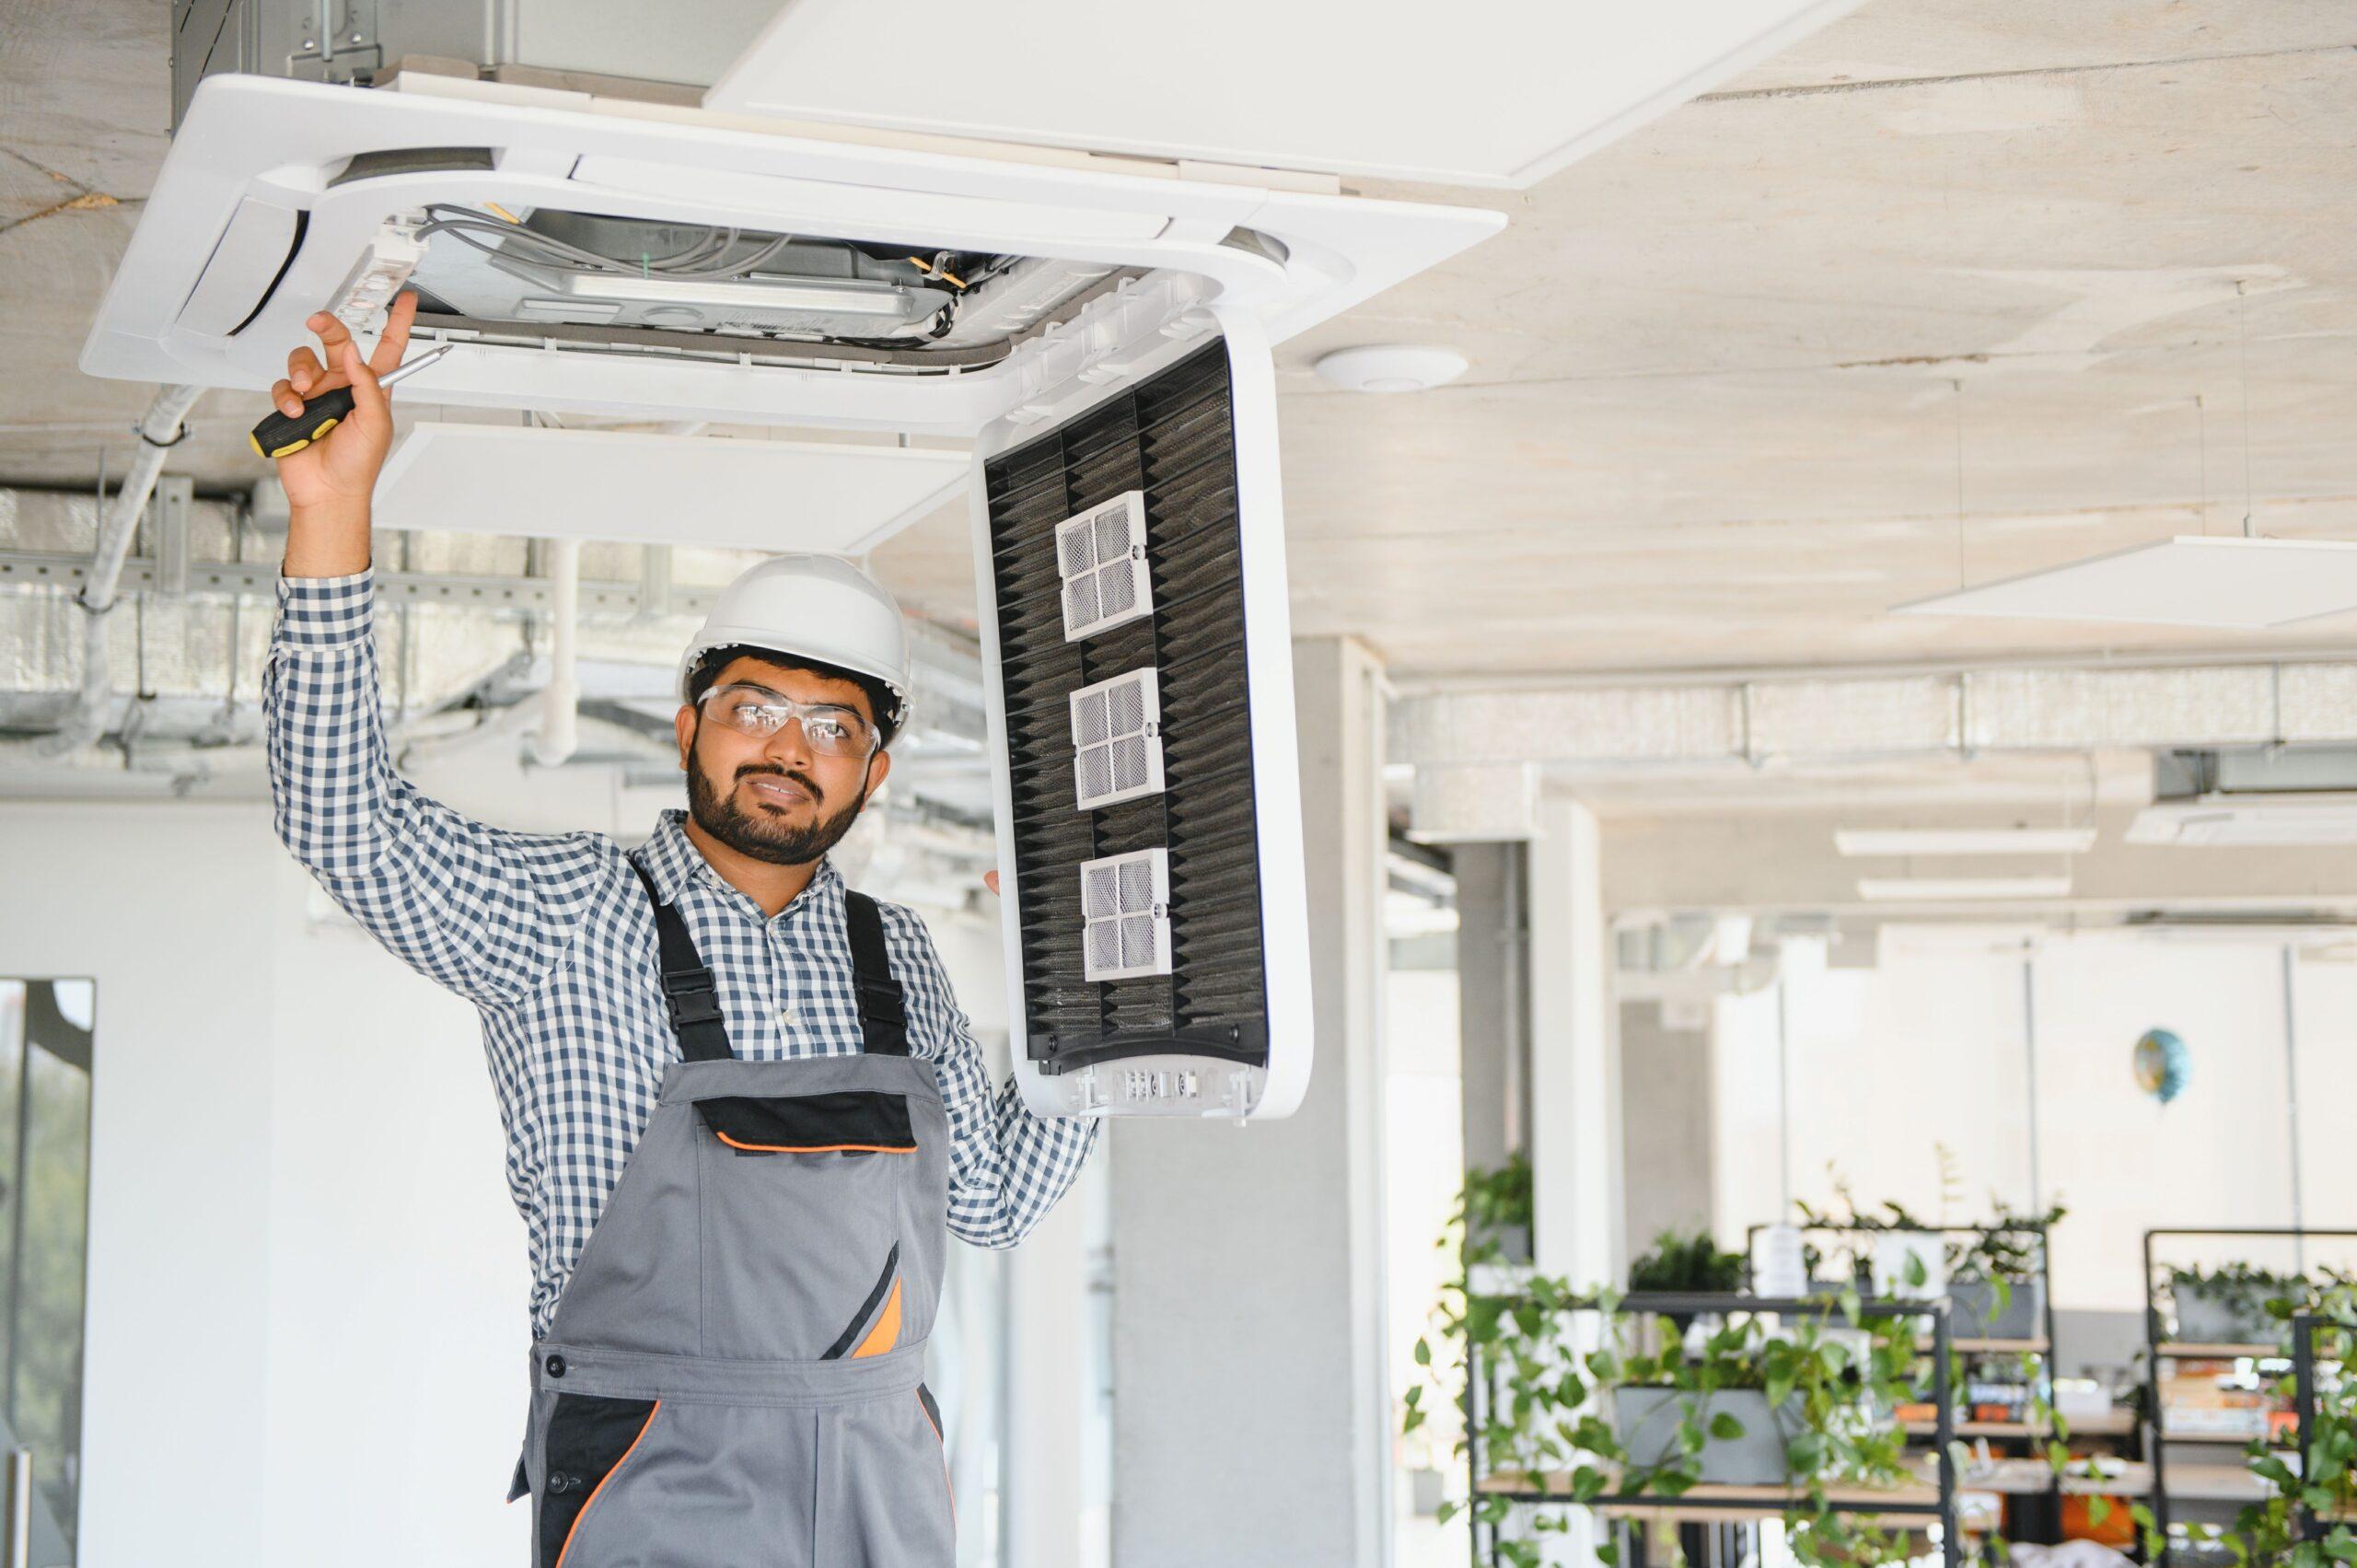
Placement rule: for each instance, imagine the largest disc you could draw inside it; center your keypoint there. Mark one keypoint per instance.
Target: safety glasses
(829, 728)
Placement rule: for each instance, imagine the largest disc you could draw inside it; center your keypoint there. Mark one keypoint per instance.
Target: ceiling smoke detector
(1391, 368)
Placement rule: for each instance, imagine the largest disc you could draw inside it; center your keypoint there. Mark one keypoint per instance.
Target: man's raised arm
(486, 911)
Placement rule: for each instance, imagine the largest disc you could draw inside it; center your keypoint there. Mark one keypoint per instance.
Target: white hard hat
(812, 607)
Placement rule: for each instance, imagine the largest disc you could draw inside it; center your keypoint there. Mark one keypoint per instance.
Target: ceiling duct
(1828, 719)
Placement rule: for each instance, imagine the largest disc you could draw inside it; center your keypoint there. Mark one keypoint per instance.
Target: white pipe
(560, 729)
(86, 720)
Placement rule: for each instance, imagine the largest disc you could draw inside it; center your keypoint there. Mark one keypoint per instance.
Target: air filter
(1117, 740)
(1101, 555)
(1126, 899)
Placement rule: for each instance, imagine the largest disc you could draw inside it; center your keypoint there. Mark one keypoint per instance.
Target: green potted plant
(1685, 1264)
(2230, 1305)
(1997, 1275)
(1656, 1411)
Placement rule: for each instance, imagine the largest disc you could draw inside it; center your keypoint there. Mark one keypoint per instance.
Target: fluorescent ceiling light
(2187, 581)
(1964, 841)
(1899, 890)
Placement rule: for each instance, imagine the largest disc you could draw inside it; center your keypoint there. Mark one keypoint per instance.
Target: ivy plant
(1834, 1376)
(2273, 1533)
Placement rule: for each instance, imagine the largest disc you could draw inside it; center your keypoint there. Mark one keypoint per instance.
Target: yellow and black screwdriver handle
(283, 434)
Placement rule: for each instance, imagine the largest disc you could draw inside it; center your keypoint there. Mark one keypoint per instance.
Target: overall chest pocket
(853, 1121)
(804, 1201)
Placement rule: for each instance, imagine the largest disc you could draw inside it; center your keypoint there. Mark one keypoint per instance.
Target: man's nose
(789, 745)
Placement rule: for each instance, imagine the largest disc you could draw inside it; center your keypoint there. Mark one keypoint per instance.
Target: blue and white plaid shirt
(550, 937)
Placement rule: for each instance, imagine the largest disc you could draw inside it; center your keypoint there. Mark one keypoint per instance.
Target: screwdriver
(281, 433)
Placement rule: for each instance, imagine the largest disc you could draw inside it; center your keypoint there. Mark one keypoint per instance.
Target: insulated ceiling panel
(1493, 93)
(637, 488)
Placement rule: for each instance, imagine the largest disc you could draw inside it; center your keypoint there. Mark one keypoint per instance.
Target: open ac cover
(1101, 327)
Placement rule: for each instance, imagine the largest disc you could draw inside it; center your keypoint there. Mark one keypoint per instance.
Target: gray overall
(733, 1377)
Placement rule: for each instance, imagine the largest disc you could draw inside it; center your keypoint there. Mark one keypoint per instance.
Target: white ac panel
(1225, 1031)
(636, 487)
(1490, 92)
(277, 194)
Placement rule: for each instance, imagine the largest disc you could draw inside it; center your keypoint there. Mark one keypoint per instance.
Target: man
(743, 1109)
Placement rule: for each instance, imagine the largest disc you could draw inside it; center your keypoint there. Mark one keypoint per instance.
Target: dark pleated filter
(1172, 437)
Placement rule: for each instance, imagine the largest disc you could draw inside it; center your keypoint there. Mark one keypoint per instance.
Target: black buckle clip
(692, 999)
(881, 1004)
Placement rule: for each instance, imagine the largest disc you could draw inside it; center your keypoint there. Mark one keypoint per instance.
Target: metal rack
(2304, 1328)
(2157, 1349)
(1732, 1505)
(2048, 1524)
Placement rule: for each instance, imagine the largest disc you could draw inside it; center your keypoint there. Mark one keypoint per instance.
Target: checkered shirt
(550, 937)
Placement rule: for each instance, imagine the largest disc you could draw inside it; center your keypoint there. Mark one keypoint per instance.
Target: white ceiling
(1506, 93)
(1722, 370)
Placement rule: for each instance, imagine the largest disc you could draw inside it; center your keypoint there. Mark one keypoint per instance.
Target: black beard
(758, 837)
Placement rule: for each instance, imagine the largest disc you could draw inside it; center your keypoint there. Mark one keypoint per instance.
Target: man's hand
(328, 482)
(990, 880)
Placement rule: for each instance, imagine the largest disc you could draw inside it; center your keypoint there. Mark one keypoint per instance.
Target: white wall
(306, 1283)
(1928, 1050)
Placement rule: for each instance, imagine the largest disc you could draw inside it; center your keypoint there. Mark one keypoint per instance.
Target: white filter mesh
(1126, 899)
(1117, 740)
(1101, 554)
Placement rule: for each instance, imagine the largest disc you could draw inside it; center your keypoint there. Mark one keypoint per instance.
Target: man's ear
(878, 766)
(684, 721)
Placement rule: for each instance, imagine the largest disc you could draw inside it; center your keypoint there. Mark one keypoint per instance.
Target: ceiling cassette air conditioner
(1100, 328)
(606, 255)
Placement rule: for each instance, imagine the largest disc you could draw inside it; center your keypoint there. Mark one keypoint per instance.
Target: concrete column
(1574, 1138)
(1045, 1471)
(1251, 1415)
(1667, 1126)
(1490, 1000)
(1574, 1072)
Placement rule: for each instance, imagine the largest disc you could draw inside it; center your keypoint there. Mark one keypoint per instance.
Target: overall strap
(883, 1021)
(688, 988)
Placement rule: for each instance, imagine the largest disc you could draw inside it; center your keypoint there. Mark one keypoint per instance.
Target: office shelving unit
(1715, 1505)
(2159, 1347)
(2047, 1521)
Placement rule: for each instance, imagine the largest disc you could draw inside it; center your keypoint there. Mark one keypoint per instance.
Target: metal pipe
(17, 1546)
(2029, 1056)
(560, 729)
(159, 428)
(2292, 1099)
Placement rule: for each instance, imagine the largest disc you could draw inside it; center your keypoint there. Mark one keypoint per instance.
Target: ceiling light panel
(2238, 584)
(1945, 889)
(1963, 840)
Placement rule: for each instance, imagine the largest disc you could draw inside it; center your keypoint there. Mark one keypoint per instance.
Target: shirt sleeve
(1007, 1167)
(486, 911)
